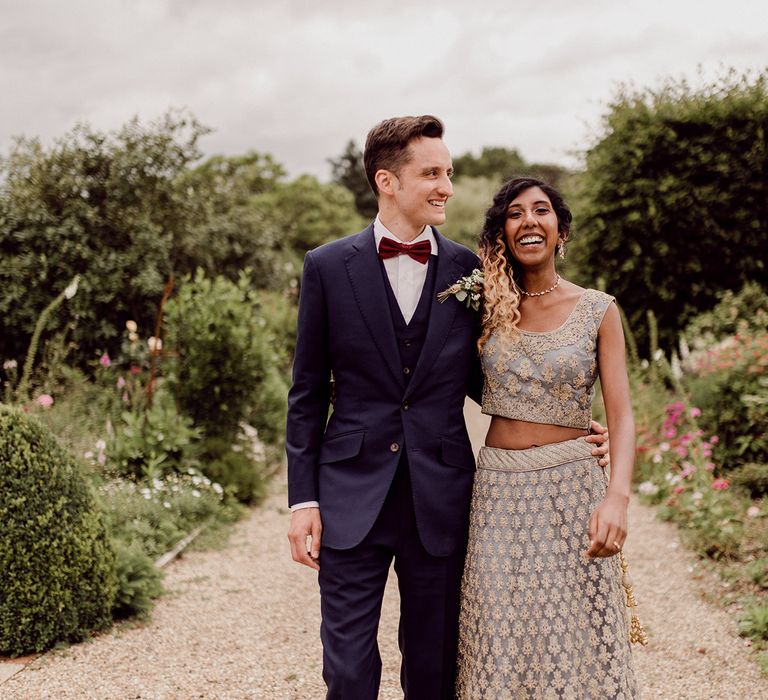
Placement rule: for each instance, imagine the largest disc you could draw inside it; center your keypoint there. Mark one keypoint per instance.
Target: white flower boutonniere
(467, 289)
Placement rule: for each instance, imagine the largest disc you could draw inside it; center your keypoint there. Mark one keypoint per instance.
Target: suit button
(394, 447)
(407, 343)
(405, 406)
(406, 370)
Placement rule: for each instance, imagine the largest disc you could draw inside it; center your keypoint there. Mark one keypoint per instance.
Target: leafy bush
(157, 513)
(672, 204)
(678, 468)
(735, 313)
(105, 205)
(224, 350)
(239, 468)
(139, 582)
(152, 442)
(754, 623)
(752, 478)
(757, 572)
(729, 383)
(57, 567)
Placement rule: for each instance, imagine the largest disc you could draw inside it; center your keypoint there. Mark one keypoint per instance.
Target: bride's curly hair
(501, 294)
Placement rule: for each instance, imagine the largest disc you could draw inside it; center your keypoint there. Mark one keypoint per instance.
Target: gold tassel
(637, 633)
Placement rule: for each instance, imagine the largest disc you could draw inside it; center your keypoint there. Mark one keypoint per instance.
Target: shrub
(138, 581)
(239, 468)
(754, 623)
(224, 351)
(672, 208)
(757, 572)
(729, 384)
(742, 312)
(157, 513)
(57, 566)
(753, 478)
(106, 205)
(152, 442)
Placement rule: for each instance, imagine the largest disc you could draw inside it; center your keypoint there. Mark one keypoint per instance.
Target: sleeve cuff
(305, 504)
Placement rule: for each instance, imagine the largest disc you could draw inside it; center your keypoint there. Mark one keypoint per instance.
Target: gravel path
(242, 623)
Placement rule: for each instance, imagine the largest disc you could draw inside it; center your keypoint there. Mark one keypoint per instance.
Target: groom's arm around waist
(310, 393)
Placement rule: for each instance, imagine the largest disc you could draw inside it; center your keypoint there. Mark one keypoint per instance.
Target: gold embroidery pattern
(539, 620)
(547, 377)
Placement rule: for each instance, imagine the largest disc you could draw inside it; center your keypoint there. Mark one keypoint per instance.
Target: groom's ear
(384, 181)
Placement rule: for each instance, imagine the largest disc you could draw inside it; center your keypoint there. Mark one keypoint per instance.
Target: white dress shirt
(406, 277)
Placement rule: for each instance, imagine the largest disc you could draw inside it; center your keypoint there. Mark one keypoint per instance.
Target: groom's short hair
(386, 147)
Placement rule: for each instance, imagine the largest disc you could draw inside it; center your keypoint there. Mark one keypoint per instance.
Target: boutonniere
(467, 289)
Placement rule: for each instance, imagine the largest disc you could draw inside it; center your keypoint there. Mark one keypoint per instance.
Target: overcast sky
(298, 79)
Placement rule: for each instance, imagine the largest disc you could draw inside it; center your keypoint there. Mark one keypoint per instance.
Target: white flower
(195, 493)
(155, 344)
(10, 364)
(664, 447)
(101, 445)
(88, 454)
(218, 489)
(657, 458)
(697, 495)
(131, 326)
(71, 289)
(157, 484)
(166, 504)
(648, 488)
(753, 511)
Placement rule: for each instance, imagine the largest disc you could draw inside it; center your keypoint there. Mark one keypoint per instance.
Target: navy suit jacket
(347, 462)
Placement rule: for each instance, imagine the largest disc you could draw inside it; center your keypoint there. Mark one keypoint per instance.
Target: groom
(389, 474)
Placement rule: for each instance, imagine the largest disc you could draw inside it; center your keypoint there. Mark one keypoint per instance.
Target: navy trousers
(352, 587)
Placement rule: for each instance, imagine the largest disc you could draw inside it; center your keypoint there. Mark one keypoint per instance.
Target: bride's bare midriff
(509, 434)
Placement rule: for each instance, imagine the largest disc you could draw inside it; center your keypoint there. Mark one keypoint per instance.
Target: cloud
(300, 79)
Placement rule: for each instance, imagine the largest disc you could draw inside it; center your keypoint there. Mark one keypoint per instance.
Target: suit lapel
(365, 276)
(441, 315)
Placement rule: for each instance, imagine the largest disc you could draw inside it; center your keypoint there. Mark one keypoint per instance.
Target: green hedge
(57, 568)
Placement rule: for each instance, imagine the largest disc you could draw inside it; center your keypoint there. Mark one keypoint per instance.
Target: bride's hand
(608, 526)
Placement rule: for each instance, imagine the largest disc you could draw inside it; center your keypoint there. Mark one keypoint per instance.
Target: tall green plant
(224, 353)
(673, 205)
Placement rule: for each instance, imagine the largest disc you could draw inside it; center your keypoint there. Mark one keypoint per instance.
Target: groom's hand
(599, 437)
(305, 523)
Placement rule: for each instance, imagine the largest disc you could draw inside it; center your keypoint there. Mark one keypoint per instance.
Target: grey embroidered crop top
(547, 377)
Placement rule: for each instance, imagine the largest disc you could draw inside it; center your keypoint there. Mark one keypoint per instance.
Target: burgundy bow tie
(389, 248)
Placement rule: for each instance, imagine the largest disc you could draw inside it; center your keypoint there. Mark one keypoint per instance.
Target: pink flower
(710, 466)
(104, 360)
(720, 484)
(753, 512)
(679, 489)
(670, 433)
(695, 412)
(681, 451)
(125, 397)
(120, 382)
(44, 400)
(135, 369)
(714, 440)
(688, 469)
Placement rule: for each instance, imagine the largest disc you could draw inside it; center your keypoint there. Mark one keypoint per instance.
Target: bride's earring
(561, 249)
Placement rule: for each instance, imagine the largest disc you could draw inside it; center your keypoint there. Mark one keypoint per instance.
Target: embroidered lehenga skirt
(538, 619)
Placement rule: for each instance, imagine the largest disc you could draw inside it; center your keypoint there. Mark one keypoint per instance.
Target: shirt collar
(380, 230)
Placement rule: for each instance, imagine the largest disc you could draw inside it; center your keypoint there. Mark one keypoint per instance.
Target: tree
(106, 206)
(348, 170)
(493, 162)
(673, 206)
